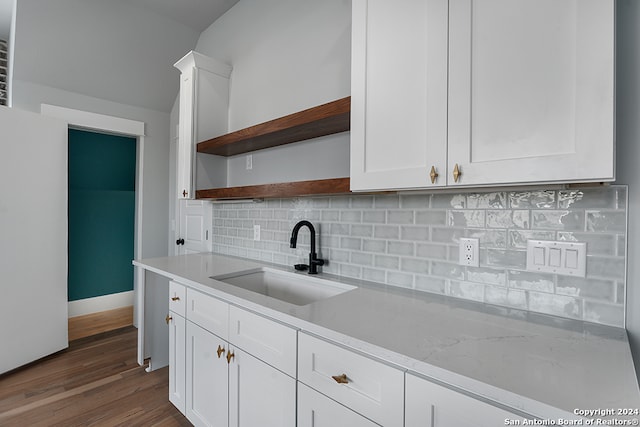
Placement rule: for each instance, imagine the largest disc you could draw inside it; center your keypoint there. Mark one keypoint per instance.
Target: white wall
(29, 96)
(628, 151)
(287, 55)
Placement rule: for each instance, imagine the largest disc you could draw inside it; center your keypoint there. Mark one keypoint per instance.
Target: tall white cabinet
(482, 92)
(204, 114)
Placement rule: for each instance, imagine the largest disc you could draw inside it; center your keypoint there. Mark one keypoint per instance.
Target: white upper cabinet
(398, 93)
(527, 89)
(204, 114)
(531, 91)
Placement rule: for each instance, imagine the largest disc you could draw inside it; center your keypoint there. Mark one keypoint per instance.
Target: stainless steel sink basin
(298, 289)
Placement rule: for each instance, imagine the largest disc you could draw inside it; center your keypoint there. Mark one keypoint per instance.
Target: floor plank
(96, 323)
(95, 382)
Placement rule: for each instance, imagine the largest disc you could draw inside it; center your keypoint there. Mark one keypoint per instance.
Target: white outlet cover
(256, 232)
(469, 252)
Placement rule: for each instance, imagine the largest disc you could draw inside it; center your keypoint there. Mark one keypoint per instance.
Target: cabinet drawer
(317, 410)
(177, 298)
(442, 406)
(265, 339)
(373, 389)
(208, 312)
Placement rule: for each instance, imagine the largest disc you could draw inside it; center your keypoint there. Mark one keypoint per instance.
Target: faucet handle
(301, 267)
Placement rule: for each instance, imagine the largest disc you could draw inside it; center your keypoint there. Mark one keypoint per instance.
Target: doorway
(102, 202)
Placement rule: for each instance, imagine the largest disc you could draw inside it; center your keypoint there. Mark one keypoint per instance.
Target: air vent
(3, 72)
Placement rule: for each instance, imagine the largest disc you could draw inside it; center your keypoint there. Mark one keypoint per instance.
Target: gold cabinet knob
(168, 319)
(220, 351)
(341, 379)
(230, 356)
(175, 298)
(433, 174)
(456, 173)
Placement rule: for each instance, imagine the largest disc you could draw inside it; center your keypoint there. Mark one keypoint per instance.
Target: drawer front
(372, 389)
(430, 401)
(269, 341)
(317, 410)
(177, 298)
(208, 312)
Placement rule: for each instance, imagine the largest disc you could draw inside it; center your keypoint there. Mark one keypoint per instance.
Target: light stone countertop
(541, 365)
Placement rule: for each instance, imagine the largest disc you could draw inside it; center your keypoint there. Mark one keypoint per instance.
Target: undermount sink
(294, 288)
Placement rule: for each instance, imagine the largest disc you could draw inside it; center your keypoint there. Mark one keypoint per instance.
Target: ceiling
(195, 14)
(117, 50)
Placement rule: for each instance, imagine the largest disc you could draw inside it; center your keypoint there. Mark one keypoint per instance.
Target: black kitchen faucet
(314, 262)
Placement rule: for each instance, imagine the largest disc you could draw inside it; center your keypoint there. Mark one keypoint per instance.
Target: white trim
(101, 303)
(103, 123)
(100, 122)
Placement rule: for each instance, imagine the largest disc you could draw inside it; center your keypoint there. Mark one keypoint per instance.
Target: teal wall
(102, 171)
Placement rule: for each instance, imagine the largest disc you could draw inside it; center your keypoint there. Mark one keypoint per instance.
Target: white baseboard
(101, 303)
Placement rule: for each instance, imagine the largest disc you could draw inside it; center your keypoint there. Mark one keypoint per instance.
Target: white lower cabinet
(317, 410)
(217, 383)
(432, 405)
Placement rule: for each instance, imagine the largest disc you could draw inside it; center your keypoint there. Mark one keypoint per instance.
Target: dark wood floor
(95, 382)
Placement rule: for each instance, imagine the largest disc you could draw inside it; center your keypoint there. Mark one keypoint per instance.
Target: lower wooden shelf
(317, 187)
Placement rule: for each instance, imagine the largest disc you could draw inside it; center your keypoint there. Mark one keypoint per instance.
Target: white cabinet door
(316, 410)
(185, 153)
(432, 405)
(259, 395)
(531, 91)
(398, 93)
(207, 378)
(194, 232)
(177, 361)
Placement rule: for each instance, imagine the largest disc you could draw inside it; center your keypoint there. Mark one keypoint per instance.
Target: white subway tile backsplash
(544, 199)
(400, 248)
(411, 241)
(606, 221)
(487, 201)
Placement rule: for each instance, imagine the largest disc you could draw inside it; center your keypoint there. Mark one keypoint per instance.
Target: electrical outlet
(469, 252)
(256, 232)
(249, 160)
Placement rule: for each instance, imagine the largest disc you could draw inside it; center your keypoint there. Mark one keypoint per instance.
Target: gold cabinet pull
(341, 379)
(230, 356)
(168, 319)
(220, 351)
(175, 298)
(456, 173)
(433, 174)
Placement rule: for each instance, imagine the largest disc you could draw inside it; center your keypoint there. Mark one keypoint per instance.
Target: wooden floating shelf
(317, 187)
(325, 119)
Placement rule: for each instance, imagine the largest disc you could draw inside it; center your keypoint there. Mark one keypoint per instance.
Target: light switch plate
(565, 258)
